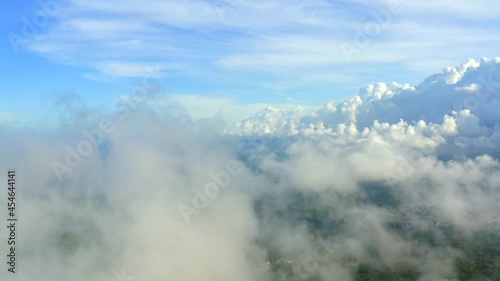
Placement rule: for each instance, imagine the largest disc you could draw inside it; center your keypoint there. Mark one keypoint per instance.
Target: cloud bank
(398, 180)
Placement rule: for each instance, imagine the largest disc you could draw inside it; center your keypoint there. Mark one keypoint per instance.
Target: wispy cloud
(281, 38)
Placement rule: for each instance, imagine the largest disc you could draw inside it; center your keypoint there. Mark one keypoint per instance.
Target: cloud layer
(458, 107)
(379, 183)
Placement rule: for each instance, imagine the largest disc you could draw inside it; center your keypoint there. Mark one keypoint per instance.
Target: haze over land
(399, 181)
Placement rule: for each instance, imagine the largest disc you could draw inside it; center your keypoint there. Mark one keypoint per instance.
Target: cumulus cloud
(394, 181)
(456, 106)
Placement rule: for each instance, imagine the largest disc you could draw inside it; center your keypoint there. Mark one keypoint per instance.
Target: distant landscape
(249, 140)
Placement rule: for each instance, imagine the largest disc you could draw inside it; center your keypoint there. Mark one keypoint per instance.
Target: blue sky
(230, 53)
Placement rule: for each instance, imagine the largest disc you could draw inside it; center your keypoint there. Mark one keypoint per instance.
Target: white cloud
(470, 89)
(348, 170)
(283, 38)
(11, 119)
